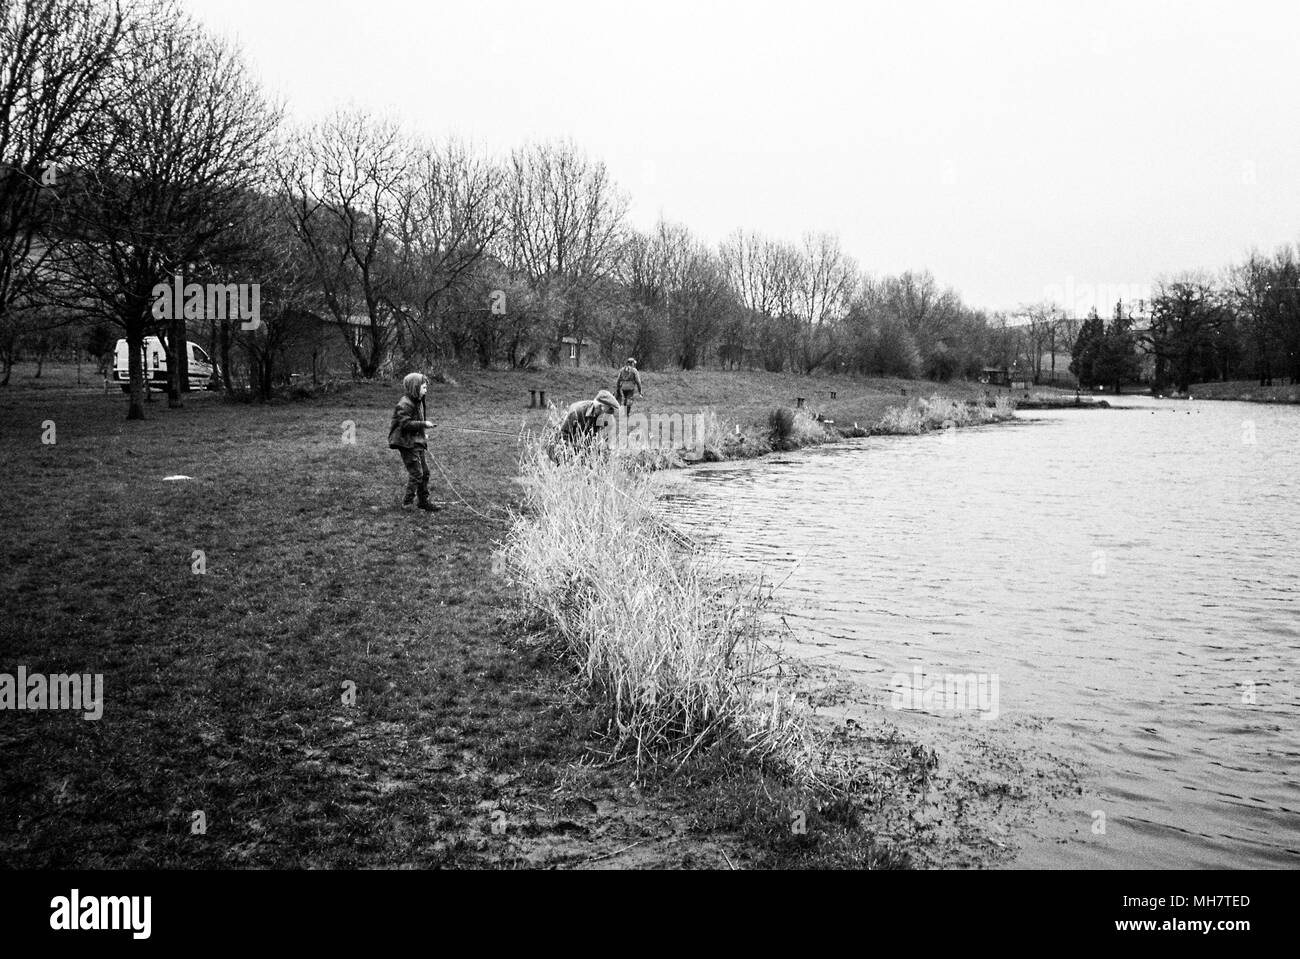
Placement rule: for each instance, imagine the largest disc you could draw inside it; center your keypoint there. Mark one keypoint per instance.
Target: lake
(1114, 590)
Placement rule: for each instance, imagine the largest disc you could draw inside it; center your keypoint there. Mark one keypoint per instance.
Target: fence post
(532, 399)
(798, 402)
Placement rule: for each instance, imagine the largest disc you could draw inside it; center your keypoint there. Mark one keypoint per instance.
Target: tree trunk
(178, 366)
(225, 355)
(135, 366)
(213, 349)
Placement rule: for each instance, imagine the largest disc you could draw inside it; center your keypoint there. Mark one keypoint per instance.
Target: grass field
(467, 743)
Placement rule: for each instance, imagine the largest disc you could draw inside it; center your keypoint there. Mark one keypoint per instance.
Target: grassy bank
(1248, 391)
(226, 688)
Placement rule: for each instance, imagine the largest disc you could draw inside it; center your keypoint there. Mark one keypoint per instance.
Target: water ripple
(1129, 578)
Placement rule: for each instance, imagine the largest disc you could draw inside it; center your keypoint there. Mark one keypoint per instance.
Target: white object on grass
(178, 476)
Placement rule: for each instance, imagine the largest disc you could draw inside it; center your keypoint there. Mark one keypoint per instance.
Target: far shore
(1244, 391)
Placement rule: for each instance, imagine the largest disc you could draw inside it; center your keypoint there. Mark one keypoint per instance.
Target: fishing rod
(475, 429)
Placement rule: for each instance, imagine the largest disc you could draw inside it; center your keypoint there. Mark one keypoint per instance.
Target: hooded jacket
(406, 431)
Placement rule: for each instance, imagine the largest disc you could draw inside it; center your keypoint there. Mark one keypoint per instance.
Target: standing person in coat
(406, 435)
(628, 380)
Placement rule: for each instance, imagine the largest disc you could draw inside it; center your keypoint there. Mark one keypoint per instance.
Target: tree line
(135, 148)
(1243, 323)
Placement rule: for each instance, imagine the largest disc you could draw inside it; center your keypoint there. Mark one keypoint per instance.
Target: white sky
(1016, 149)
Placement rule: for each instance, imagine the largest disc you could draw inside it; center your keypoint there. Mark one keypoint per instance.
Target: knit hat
(631, 361)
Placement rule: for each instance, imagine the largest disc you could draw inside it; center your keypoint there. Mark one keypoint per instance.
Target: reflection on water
(1127, 575)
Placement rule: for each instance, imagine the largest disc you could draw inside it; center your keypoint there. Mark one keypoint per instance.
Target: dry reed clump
(791, 429)
(937, 412)
(713, 438)
(707, 444)
(671, 647)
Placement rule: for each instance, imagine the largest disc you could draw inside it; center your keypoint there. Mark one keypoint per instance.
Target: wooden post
(542, 401)
(798, 402)
(532, 399)
(834, 395)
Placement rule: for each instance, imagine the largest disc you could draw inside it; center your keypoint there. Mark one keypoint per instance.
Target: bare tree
(924, 310)
(744, 261)
(747, 261)
(642, 273)
(167, 181)
(345, 182)
(565, 230)
(1041, 321)
(55, 58)
(1061, 336)
(767, 278)
(826, 285)
(696, 291)
(290, 299)
(448, 214)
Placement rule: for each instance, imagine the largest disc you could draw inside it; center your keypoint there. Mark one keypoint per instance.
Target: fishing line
(455, 492)
(682, 539)
(452, 486)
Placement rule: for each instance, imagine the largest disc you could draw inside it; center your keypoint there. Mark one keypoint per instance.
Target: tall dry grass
(938, 412)
(671, 647)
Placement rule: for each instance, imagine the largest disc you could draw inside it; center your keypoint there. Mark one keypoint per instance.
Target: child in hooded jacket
(406, 435)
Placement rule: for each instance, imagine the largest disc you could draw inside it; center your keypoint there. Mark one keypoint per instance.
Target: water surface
(1127, 576)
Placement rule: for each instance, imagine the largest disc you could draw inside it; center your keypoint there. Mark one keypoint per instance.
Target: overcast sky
(1016, 150)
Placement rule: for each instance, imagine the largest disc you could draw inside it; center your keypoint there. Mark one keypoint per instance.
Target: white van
(154, 364)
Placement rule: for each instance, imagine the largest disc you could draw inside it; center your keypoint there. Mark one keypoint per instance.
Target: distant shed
(570, 351)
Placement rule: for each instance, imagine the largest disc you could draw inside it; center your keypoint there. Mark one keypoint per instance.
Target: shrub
(790, 429)
(780, 424)
(901, 420)
(311, 391)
